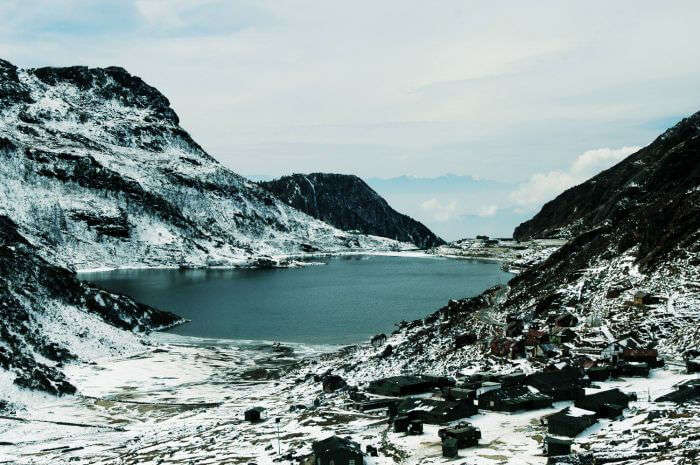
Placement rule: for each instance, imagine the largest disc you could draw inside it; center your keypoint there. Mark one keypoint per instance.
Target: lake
(346, 300)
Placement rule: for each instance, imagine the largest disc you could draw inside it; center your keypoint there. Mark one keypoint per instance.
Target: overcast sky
(533, 93)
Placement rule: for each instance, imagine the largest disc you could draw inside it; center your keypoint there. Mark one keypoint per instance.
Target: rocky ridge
(348, 203)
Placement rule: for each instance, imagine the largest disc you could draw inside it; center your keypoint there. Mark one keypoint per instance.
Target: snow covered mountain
(97, 171)
(348, 203)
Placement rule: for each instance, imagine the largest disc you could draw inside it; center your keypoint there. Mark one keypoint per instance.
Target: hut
(415, 427)
(450, 449)
(561, 335)
(565, 384)
(599, 373)
(566, 320)
(606, 404)
(254, 414)
(633, 369)
(692, 365)
(337, 451)
(643, 298)
(465, 339)
(401, 424)
(455, 394)
(570, 421)
(408, 385)
(376, 404)
(514, 398)
(464, 433)
(558, 446)
(648, 356)
(685, 391)
(436, 412)
(332, 383)
(512, 379)
(514, 328)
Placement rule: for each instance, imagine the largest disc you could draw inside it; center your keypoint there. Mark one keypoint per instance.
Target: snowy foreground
(182, 402)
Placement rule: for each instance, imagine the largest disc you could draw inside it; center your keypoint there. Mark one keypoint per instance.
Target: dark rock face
(648, 204)
(348, 203)
(28, 286)
(649, 199)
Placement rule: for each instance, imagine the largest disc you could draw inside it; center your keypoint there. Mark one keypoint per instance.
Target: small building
(415, 427)
(514, 398)
(648, 356)
(512, 379)
(633, 369)
(506, 347)
(254, 414)
(613, 350)
(332, 383)
(337, 451)
(455, 394)
(408, 385)
(465, 339)
(599, 373)
(570, 421)
(436, 412)
(561, 335)
(692, 365)
(557, 446)
(482, 237)
(606, 404)
(642, 298)
(567, 320)
(685, 392)
(464, 433)
(514, 328)
(401, 424)
(564, 384)
(450, 449)
(376, 404)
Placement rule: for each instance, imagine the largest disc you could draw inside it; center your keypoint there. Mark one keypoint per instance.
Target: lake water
(347, 300)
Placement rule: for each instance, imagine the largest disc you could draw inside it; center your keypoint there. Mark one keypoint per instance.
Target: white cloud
(272, 87)
(592, 162)
(487, 210)
(542, 187)
(438, 210)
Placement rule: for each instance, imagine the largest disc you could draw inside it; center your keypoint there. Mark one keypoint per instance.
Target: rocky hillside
(48, 317)
(649, 200)
(97, 171)
(348, 203)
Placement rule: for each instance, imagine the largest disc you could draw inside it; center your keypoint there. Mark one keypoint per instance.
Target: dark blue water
(344, 301)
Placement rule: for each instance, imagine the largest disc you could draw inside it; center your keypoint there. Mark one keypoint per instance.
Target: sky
(538, 95)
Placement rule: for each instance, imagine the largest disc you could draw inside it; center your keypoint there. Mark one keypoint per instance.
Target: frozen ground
(182, 402)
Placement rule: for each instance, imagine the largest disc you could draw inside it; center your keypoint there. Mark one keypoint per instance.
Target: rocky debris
(348, 203)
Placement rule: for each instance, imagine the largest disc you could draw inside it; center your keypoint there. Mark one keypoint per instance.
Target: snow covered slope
(97, 171)
(48, 317)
